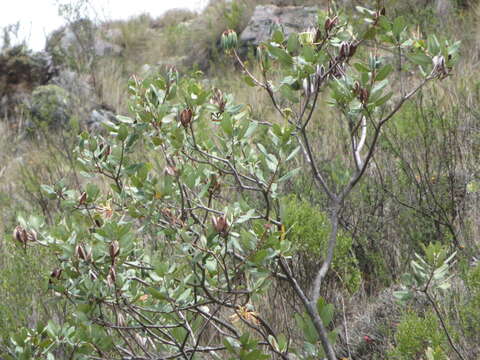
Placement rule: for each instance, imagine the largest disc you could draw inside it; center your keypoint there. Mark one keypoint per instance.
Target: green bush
(415, 334)
(469, 313)
(309, 229)
(50, 106)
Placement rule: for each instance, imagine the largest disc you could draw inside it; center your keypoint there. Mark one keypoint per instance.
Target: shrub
(308, 230)
(210, 198)
(415, 334)
(50, 106)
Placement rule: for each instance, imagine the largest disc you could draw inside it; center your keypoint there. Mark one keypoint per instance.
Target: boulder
(266, 17)
(80, 38)
(21, 71)
(99, 117)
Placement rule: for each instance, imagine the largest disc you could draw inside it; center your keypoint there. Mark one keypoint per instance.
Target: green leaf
(156, 294)
(278, 37)
(384, 72)
(227, 125)
(122, 132)
(399, 25)
(325, 311)
(293, 44)
(361, 67)
(420, 59)
(282, 56)
(403, 295)
(249, 81)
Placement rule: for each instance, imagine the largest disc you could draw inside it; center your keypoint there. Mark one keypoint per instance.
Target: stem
(312, 311)
(442, 322)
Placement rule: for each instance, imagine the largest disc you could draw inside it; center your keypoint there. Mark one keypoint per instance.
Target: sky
(38, 18)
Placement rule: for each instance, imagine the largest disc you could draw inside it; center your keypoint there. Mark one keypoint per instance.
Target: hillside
(284, 179)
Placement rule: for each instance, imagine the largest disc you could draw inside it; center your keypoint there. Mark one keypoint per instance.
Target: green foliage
(50, 106)
(174, 234)
(23, 282)
(430, 273)
(469, 309)
(309, 229)
(415, 335)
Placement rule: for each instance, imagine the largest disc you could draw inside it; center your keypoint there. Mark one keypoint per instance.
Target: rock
(80, 89)
(51, 106)
(99, 117)
(83, 37)
(444, 7)
(266, 17)
(21, 71)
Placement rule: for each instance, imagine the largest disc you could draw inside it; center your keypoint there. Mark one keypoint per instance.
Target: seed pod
(356, 88)
(344, 49)
(170, 170)
(330, 23)
(107, 152)
(320, 71)
(88, 254)
(114, 249)
(439, 67)
(31, 235)
(186, 117)
(112, 276)
(221, 224)
(56, 273)
(93, 276)
(121, 320)
(80, 252)
(363, 97)
(17, 234)
(353, 49)
(82, 199)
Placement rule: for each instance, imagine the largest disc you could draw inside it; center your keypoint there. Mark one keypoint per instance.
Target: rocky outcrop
(81, 38)
(20, 72)
(266, 17)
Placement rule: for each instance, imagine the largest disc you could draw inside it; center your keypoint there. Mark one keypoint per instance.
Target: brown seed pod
(17, 234)
(221, 224)
(80, 252)
(82, 199)
(353, 49)
(186, 117)
(330, 23)
(112, 276)
(56, 273)
(114, 249)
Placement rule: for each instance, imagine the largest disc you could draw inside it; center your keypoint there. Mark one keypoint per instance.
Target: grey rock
(83, 37)
(266, 17)
(99, 117)
(444, 7)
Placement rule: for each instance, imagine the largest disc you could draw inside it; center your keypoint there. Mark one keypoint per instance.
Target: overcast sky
(39, 17)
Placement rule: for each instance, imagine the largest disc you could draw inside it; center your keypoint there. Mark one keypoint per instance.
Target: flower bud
(229, 39)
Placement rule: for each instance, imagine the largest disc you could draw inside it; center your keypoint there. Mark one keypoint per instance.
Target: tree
(171, 259)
